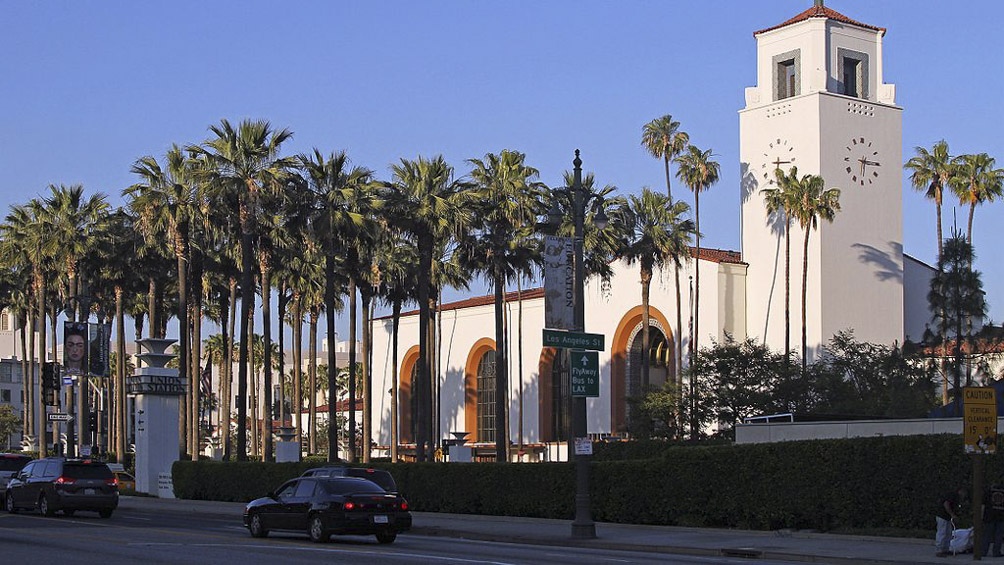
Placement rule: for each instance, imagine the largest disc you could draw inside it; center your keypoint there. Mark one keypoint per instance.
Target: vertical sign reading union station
(980, 420)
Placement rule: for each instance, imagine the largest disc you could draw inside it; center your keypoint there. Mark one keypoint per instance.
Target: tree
(10, 423)
(931, 171)
(428, 203)
(165, 203)
(664, 140)
(956, 296)
(976, 181)
(506, 200)
(811, 202)
(779, 202)
(333, 185)
(241, 163)
(699, 173)
(658, 234)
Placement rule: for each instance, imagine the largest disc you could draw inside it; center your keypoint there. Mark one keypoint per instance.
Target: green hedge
(884, 482)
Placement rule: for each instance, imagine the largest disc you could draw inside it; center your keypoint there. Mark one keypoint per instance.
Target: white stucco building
(820, 104)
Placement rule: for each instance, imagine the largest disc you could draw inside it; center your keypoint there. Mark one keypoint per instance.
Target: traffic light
(50, 383)
(92, 421)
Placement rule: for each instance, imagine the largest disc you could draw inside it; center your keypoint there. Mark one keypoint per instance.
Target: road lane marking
(407, 555)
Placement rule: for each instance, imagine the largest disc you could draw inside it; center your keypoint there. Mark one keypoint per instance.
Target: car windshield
(87, 471)
(351, 486)
(13, 463)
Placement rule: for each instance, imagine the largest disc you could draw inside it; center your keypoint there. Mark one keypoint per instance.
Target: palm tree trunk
(394, 423)
(120, 376)
(351, 447)
(228, 379)
(501, 383)
(266, 313)
(805, 287)
(283, 302)
(646, 281)
(421, 386)
(367, 378)
(42, 357)
(312, 383)
(247, 303)
(679, 348)
(665, 160)
(197, 397)
(787, 285)
(519, 360)
(697, 275)
(329, 315)
(27, 382)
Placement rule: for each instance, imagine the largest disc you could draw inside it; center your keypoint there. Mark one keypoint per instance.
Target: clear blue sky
(88, 87)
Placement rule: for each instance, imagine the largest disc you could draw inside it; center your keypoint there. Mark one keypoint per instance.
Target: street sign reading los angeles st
(979, 422)
(573, 340)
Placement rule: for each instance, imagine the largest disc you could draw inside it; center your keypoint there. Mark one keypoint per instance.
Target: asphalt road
(134, 536)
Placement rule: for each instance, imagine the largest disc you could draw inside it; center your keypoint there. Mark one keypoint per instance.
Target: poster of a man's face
(74, 348)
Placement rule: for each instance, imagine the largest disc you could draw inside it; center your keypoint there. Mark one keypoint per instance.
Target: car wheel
(256, 527)
(69, 512)
(9, 503)
(386, 537)
(44, 507)
(106, 513)
(316, 531)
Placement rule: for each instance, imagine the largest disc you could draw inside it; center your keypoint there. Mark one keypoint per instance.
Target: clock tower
(820, 105)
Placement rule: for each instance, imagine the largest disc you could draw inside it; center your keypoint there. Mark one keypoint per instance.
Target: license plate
(88, 491)
(380, 519)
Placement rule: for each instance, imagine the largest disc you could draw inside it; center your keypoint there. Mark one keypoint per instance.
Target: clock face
(862, 162)
(778, 154)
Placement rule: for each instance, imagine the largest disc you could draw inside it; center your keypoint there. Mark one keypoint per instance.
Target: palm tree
(663, 139)
(658, 234)
(427, 202)
(778, 203)
(976, 181)
(244, 162)
(699, 173)
(166, 204)
(811, 201)
(506, 200)
(931, 172)
(334, 186)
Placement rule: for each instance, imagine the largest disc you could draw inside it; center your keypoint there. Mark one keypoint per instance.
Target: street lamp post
(583, 526)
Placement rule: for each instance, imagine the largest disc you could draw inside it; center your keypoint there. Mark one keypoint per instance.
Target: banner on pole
(559, 283)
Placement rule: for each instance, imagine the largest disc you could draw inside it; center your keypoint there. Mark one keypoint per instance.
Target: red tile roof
(713, 255)
(820, 11)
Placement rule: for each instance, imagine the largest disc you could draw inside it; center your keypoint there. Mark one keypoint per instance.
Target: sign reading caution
(979, 420)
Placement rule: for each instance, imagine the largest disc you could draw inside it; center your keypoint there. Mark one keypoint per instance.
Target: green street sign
(585, 367)
(573, 340)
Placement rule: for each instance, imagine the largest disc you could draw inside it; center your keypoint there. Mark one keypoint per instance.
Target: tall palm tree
(165, 203)
(334, 185)
(658, 234)
(976, 180)
(778, 201)
(811, 202)
(428, 204)
(699, 172)
(663, 139)
(506, 200)
(243, 162)
(930, 171)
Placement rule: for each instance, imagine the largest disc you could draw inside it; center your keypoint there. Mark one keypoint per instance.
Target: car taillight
(112, 482)
(349, 505)
(64, 480)
(404, 505)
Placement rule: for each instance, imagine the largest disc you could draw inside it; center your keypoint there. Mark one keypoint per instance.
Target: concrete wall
(795, 431)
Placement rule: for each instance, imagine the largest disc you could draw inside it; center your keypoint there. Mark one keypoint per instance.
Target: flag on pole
(206, 382)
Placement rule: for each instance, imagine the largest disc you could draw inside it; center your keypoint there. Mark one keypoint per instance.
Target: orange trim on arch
(618, 361)
(471, 386)
(545, 393)
(404, 397)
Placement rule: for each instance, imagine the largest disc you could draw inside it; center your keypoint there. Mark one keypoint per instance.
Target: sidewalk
(790, 546)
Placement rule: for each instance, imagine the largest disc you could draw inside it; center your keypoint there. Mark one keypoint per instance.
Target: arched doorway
(480, 402)
(626, 360)
(406, 396)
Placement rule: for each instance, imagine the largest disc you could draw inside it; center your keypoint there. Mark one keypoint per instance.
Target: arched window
(486, 397)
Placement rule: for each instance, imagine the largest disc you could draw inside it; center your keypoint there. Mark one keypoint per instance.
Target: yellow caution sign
(979, 405)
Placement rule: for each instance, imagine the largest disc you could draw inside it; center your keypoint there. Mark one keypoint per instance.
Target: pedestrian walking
(993, 519)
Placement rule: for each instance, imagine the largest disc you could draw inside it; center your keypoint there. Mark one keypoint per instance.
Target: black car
(10, 464)
(57, 483)
(378, 476)
(322, 506)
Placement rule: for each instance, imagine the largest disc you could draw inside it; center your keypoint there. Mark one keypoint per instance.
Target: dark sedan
(323, 506)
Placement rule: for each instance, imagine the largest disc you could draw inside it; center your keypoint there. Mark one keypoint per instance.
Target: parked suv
(382, 478)
(10, 464)
(57, 483)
